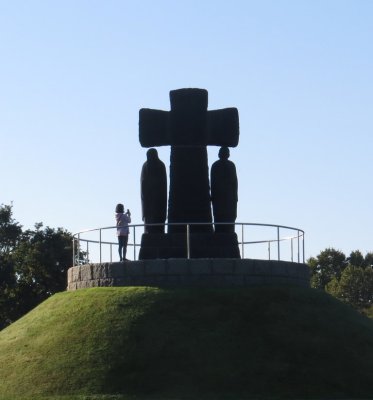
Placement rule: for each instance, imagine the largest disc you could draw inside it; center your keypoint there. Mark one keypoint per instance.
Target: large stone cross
(188, 128)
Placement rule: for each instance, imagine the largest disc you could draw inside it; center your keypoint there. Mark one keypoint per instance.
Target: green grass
(150, 343)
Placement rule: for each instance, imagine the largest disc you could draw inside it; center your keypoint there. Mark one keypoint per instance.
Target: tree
(368, 260)
(327, 265)
(354, 287)
(10, 233)
(41, 261)
(349, 279)
(10, 230)
(356, 258)
(33, 265)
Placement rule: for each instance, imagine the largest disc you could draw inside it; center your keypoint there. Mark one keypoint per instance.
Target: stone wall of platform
(189, 273)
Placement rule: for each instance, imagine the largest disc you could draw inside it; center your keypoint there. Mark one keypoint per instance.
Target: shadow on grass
(229, 343)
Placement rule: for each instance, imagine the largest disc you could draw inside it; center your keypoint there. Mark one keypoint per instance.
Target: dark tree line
(350, 279)
(33, 265)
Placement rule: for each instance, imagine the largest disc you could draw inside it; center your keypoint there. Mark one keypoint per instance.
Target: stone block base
(189, 273)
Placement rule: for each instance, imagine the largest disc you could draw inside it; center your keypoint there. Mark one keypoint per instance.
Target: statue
(224, 187)
(189, 128)
(153, 192)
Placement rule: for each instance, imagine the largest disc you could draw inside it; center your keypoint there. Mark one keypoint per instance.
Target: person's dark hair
(119, 208)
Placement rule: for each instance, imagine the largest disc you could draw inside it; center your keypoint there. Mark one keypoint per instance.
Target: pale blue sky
(74, 74)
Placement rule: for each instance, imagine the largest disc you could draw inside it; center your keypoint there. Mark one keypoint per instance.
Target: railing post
(291, 240)
(111, 252)
(243, 241)
(303, 248)
(188, 243)
(134, 244)
(87, 248)
(100, 248)
(278, 243)
(298, 248)
(269, 251)
(78, 248)
(73, 251)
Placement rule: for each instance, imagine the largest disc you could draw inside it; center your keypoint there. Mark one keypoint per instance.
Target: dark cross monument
(188, 128)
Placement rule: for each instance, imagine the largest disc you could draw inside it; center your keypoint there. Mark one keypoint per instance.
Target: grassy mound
(199, 343)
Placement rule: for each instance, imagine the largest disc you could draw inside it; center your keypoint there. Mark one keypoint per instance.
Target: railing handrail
(192, 223)
(251, 242)
(298, 236)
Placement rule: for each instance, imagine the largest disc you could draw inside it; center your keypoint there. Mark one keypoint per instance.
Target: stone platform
(189, 273)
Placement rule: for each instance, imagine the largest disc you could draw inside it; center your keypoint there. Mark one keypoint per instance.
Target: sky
(74, 75)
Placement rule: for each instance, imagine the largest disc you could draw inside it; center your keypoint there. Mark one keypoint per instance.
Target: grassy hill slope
(201, 343)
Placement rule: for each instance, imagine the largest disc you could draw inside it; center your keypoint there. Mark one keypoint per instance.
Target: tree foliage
(33, 265)
(328, 264)
(348, 278)
(10, 230)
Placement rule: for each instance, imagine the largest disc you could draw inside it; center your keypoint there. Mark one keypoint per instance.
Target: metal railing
(273, 242)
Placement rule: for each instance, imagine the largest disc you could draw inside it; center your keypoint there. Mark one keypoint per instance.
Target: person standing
(122, 220)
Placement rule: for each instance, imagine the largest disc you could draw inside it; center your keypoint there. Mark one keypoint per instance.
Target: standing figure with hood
(154, 192)
(224, 188)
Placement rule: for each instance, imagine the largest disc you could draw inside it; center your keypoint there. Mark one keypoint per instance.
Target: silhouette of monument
(189, 128)
(154, 192)
(224, 188)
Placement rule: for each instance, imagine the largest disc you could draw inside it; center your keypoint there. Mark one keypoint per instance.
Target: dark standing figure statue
(224, 188)
(154, 192)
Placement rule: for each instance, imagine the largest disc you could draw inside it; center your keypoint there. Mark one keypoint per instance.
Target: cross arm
(153, 128)
(223, 127)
